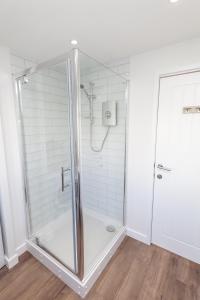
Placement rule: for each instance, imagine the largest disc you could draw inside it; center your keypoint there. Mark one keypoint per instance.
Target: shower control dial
(108, 114)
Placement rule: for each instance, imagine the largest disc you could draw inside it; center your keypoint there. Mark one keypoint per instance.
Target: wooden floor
(136, 271)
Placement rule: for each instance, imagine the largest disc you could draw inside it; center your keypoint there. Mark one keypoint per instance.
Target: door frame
(158, 77)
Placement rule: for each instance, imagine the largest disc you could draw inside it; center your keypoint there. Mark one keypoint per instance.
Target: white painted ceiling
(105, 29)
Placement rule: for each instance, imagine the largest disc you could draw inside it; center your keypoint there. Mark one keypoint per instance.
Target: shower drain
(110, 228)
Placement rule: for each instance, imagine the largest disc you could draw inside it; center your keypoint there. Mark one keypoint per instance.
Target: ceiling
(105, 29)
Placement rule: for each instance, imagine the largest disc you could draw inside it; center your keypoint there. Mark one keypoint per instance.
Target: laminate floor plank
(67, 294)
(156, 275)
(115, 273)
(136, 272)
(51, 289)
(17, 271)
(27, 284)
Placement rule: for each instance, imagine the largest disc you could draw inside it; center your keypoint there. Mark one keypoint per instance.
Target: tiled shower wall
(103, 172)
(47, 143)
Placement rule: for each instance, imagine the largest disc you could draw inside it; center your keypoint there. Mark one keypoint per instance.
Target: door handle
(161, 167)
(63, 171)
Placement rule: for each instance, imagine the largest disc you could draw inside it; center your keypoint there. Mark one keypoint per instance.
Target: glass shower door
(44, 106)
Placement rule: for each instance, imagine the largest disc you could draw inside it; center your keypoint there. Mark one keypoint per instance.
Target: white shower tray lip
(80, 287)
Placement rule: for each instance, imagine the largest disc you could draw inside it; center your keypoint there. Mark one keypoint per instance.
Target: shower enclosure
(73, 121)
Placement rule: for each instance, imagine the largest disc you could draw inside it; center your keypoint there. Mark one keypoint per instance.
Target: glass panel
(45, 108)
(103, 112)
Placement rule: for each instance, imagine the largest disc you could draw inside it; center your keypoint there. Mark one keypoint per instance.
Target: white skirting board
(80, 287)
(138, 236)
(21, 249)
(12, 261)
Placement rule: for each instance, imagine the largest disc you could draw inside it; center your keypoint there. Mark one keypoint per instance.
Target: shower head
(82, 86)
(89, 96)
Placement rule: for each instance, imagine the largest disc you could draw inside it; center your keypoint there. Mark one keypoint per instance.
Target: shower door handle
(63, 172)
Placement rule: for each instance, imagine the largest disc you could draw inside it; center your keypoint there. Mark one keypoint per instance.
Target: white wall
(144, 79)
(12, 202)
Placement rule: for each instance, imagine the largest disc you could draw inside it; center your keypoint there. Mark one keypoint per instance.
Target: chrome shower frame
(74, 117)
(73, 68)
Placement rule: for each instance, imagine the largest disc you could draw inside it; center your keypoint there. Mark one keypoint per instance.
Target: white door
(176, 214)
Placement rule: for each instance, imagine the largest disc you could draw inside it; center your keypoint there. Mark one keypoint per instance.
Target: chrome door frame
(75, 119)
(18, 90)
